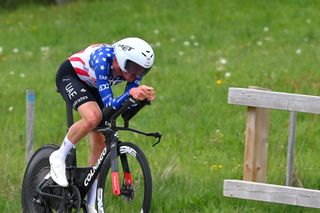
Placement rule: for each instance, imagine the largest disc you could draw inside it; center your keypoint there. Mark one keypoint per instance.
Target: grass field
(202, 48)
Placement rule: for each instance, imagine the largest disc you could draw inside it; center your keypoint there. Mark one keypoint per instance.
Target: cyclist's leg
(82, 98)
(90, 117)
(76, 93)
(96, 138)
(97, 145)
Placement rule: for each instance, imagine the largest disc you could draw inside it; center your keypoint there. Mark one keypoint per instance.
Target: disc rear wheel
(38, 167)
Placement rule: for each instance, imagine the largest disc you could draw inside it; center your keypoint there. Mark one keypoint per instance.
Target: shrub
(13, 4)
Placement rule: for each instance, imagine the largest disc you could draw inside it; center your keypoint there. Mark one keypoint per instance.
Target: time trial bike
(122, 187)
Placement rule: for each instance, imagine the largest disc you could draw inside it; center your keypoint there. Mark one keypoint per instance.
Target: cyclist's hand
(143, 92)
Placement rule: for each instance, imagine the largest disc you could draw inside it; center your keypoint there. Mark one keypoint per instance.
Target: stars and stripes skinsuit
(93, 66)
(87, 76)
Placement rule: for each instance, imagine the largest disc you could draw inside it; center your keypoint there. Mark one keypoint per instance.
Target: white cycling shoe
(92, 209)
(58, 169)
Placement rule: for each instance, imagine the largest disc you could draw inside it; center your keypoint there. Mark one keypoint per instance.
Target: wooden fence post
(30, 99)
(256, 144)
(256, 147)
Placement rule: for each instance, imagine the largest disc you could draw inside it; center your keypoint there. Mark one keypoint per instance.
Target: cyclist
(84, 80)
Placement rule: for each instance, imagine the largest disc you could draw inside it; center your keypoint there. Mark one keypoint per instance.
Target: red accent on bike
(115, 183)
(128, 178)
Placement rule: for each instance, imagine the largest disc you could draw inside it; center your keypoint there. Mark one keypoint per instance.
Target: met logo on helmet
(125, 47)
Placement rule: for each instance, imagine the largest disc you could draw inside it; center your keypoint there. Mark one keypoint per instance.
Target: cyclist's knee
(90, 114)
(93, 119)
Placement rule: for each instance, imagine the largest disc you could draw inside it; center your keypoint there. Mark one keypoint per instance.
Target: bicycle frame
(84, 177)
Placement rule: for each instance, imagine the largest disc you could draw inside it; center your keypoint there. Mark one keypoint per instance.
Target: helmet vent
(144, 55)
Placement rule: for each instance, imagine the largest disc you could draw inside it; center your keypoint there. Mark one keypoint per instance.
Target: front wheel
(135, 182)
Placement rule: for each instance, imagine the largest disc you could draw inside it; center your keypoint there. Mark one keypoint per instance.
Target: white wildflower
(156, 31)
(308, 21)
(195, 44)
(181, 53)
(1, 50)
(11, 72)
(266, 29)
(259, 43)
(45, 49)
(22, 75)
(223, 61)
(192, 37)
(227, 75)
(10, 108)
(15, 50)
(158, 44)
(186, 43)
(298, 51)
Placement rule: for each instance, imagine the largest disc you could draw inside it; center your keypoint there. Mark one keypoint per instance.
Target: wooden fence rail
(274, 100)
(258, 103)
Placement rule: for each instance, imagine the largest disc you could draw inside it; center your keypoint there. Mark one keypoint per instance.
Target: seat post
(72, 157)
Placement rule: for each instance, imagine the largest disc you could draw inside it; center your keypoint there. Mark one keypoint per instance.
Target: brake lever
(157, 135)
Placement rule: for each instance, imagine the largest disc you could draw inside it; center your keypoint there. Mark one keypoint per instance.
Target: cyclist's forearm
(118, 101)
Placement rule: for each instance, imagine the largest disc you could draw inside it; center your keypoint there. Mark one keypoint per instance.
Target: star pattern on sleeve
(100, 57)
(101, 61)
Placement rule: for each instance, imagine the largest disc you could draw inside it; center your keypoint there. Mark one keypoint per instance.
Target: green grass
(272, 44)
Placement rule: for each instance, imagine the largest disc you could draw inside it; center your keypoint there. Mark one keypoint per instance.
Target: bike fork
(114, 168)
(126, 169)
